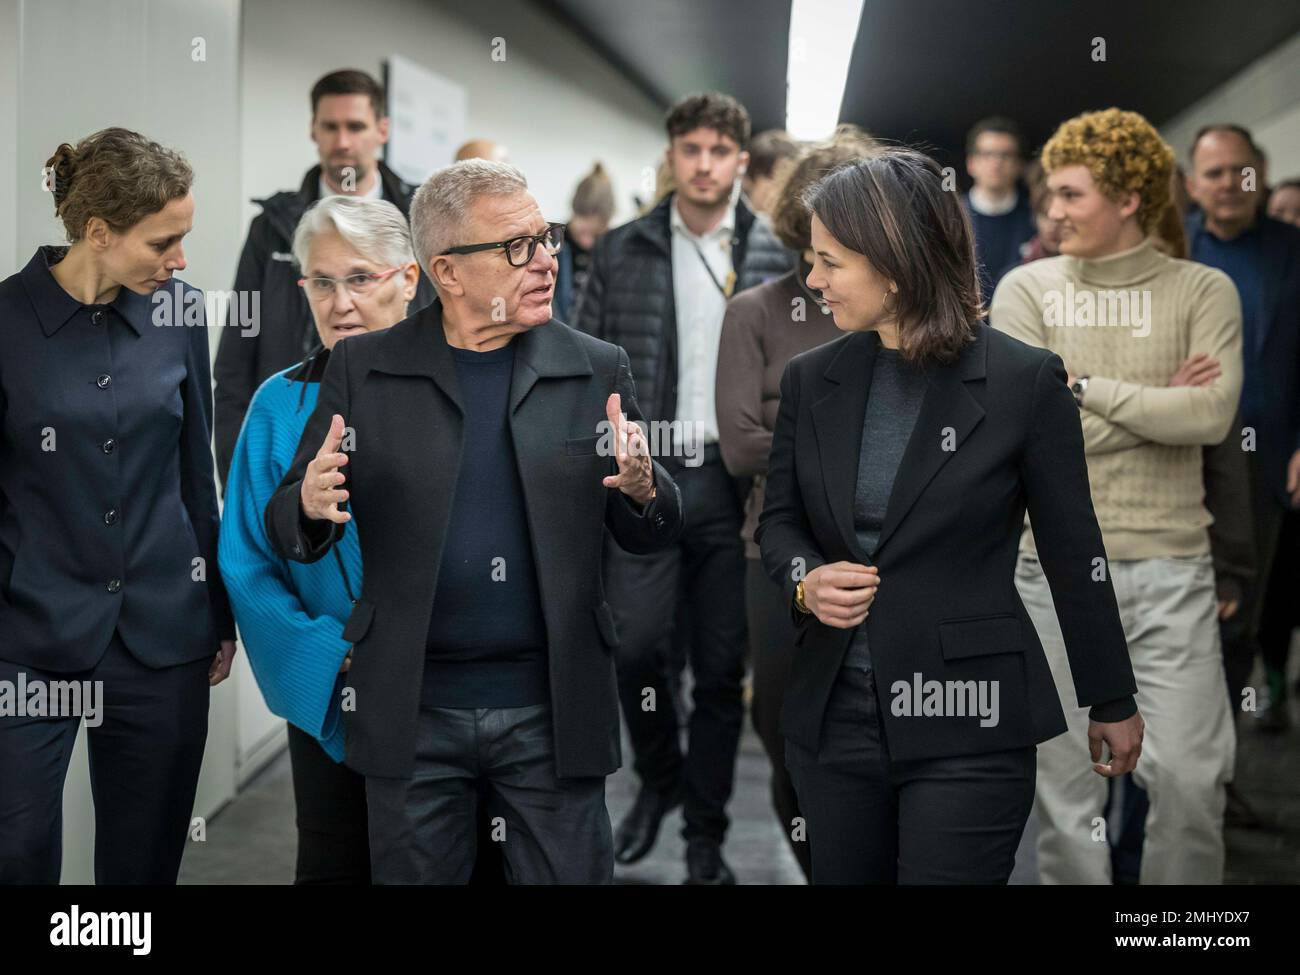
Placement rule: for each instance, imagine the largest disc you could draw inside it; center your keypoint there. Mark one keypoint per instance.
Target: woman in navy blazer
(904, 458)
(111, 607)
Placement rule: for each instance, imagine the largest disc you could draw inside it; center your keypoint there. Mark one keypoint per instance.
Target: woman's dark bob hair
(892, 208)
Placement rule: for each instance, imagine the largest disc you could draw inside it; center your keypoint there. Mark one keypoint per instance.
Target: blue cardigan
(290, 614)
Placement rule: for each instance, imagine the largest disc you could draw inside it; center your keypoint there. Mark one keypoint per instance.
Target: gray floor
(252, 840)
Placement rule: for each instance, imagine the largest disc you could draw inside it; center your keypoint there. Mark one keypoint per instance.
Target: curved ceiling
(923, 70)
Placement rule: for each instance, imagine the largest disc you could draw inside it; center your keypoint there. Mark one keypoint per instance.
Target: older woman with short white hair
(359, 274)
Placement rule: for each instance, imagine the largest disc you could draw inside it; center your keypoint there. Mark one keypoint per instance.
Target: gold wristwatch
(798, 598)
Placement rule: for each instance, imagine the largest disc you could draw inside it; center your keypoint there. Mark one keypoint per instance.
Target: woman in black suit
(904, 458)
(108, 519)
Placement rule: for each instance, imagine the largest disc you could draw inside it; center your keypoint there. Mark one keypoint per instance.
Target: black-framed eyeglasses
(519, 250)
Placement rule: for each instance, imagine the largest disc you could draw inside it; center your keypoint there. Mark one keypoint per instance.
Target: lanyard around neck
(724, 290)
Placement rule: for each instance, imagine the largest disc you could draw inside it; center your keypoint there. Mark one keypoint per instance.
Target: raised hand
(635, 476)
(321, 494)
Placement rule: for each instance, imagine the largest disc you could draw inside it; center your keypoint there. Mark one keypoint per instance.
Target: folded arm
(1070, 548)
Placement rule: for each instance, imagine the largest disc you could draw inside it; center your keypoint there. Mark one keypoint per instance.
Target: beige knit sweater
(1128, 321)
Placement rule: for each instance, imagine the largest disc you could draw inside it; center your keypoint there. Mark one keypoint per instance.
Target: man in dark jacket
(349, 125)
(1001, 215)
(489, 449)
(658, 287)
(1262, 256)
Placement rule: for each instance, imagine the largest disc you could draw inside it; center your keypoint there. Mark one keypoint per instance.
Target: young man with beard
(658, 287)
(349, 124)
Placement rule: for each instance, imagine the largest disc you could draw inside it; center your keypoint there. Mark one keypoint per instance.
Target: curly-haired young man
(1153, 349)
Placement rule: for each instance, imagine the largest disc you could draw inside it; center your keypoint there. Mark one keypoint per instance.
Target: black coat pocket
(980, 636)
(581, 446)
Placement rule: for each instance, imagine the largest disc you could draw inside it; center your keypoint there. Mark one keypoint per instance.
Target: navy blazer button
(97, 317)
(110, 516)
(114, 585)
(108, 446)
(104, 381)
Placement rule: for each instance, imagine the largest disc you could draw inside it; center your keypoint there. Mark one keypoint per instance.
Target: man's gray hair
(375, 229)
(441, 205)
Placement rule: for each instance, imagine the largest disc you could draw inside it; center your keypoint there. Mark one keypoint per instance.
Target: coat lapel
(837, 420)
(949, 412)
(548, 351)
(417, 346)
(543, 415)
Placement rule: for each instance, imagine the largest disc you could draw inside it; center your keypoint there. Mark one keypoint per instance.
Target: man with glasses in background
(1000, 215)
(487, 448)
(349, 125)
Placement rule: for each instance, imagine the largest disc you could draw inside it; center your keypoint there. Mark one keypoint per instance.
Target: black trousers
(1266, 611)
(145, 752)
(330, 805)
(699, 579)
(424, 829)
(771, 643)
(873, 820)
(1278, 615)
(333, 835)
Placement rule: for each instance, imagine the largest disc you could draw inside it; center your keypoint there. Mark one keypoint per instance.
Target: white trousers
(1169, 614)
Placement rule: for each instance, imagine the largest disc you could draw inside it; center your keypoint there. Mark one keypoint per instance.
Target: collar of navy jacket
(418, 346)
(54, 306)
(838, 416)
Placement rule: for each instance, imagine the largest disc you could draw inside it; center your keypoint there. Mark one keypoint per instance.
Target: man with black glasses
(488, 448)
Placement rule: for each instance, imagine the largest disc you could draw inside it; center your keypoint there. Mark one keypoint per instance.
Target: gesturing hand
(635, 477)
(320, 493)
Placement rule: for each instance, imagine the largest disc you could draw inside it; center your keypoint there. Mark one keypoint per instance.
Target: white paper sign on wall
(427, 119)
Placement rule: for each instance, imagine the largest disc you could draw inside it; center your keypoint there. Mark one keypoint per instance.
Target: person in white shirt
(658, 287)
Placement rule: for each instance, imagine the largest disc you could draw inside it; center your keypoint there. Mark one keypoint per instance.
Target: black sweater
(487, 635)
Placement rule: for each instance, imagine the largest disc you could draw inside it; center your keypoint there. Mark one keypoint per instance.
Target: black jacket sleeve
(236, 367)
(198, 487)
(293, 535)
(1054, 474)
(784, 536)
(640, 529)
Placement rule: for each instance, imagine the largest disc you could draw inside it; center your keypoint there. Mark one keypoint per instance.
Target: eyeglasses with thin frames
(320, 288)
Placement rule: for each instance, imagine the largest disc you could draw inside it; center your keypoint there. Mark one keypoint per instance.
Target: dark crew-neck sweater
(487, 637)
(897, 389)
(998, 238)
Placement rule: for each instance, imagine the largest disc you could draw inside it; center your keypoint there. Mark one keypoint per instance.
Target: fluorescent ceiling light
(822, 33)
